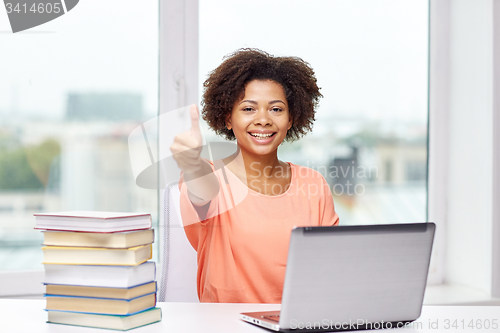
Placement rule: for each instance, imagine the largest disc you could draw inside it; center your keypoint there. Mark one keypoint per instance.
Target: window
(72, 91)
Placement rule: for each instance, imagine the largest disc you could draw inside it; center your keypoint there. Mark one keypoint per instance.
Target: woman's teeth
(261, 136)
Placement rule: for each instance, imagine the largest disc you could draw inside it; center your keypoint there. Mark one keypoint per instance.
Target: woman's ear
(228, 123)
(290, 123)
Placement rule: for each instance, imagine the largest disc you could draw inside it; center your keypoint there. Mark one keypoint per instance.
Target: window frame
(496, 152)
(448, 19)
(438, 132)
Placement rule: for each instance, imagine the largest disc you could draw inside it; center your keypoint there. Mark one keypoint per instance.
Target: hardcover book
(96, 256)
(100, 276)
(100, 292)
(91, 221)
(118, 240)
(101, 305)
(114, 322)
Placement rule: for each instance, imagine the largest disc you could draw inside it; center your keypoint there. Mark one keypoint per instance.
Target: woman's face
(260, 120)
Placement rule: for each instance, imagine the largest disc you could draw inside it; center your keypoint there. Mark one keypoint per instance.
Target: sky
(370, 56)
(99, 46)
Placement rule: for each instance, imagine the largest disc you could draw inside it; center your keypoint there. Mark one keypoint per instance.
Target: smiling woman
(259, 100)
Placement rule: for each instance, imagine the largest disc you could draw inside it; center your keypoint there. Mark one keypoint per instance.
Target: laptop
(351, 278)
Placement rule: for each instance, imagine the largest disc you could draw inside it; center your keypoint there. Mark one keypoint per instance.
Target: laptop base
(260, 319)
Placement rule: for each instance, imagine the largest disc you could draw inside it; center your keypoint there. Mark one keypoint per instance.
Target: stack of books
(97, 272)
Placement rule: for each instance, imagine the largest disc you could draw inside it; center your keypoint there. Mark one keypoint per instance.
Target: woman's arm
(200, 180)
(202, 184)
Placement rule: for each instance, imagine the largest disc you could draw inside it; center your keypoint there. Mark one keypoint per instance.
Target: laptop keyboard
(275, 318)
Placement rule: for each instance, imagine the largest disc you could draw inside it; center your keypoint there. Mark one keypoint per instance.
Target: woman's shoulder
(305, 173)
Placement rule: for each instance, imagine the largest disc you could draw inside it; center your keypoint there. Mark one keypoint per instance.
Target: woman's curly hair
(226, 85)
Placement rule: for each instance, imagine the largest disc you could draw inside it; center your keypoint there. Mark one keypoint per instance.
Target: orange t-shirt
(242, 241)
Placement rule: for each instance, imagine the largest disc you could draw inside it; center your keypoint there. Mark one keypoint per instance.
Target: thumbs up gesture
(187, 146)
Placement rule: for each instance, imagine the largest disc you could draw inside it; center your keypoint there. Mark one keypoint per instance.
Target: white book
(101, 276)
(92, 221)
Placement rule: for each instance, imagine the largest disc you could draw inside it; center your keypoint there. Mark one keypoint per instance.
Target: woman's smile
(262, 137)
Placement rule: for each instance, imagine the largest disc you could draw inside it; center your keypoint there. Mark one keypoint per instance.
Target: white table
(29, 316)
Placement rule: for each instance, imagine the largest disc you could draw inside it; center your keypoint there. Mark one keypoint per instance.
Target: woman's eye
(248, 109)
(276, 109)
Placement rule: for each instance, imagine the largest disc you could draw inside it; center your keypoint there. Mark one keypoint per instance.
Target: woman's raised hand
(187, 146)
(202, 184)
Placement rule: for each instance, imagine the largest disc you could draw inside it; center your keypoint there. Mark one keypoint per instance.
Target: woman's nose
(262, 118)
